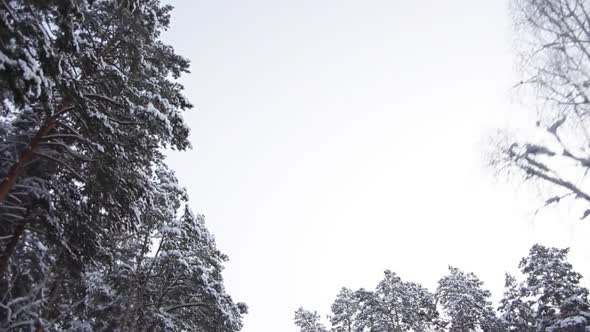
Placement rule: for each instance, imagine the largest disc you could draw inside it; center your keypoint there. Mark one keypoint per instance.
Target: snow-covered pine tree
(88, 99)
(187, 279)
(308, 321)
(550, 298)
(396, 306)
(177, 288)
(466, 303)
(344, 310)
(368, 316)
(419, 307)
(164, 277)
(515, 309)
(117, 294)
(93, 100)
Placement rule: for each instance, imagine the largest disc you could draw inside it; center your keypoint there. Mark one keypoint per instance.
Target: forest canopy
(96, 232)
(546, 296)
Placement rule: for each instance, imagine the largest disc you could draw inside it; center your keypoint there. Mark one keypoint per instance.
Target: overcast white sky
(336, 139)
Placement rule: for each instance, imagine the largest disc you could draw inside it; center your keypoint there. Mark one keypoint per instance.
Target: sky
(333, 140)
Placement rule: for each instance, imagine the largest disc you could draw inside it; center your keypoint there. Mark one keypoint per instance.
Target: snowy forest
(554, 48)
(96, 231)
(546, 297)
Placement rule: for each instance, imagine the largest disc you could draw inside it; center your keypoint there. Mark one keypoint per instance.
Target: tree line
(547, 296)
(95, 231)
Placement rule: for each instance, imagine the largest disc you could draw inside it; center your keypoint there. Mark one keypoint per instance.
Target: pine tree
(88, 100)
(419, 307)
(550, 298)
(396, 306)
(308, 321)
(177, 288)
(369, 315)
(516, 309)
(94, 103)
(465, 302)
(344, 311)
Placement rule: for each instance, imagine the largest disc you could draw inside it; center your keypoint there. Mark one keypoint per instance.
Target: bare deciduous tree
(555, 50)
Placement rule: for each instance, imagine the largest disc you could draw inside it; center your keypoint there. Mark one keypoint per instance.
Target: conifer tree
(308, 321)
(344, 310)
(550, 298)
(465, 302)
(89, 98)
(396, 306)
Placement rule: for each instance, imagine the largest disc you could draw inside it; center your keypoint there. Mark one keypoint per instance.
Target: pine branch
(185, 305)
(68, 167)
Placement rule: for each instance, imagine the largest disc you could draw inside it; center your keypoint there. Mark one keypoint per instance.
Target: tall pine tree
(88, 100)
(465, 302)
(550, 298)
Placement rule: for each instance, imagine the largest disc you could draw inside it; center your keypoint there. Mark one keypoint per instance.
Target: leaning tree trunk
(14, 173)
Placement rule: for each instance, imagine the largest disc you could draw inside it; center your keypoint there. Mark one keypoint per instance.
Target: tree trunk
(8, 183)
(25, 157)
